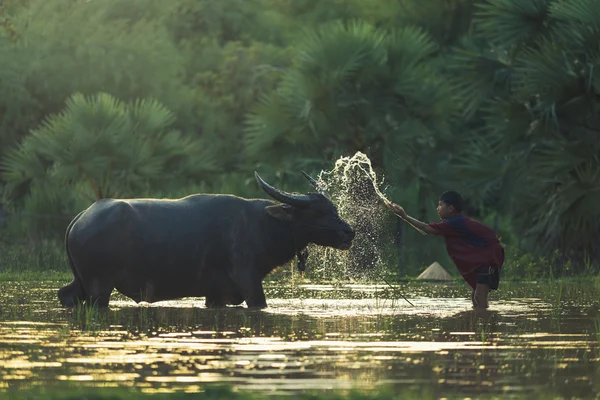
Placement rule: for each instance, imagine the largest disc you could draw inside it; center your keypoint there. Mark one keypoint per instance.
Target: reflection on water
(318, 337)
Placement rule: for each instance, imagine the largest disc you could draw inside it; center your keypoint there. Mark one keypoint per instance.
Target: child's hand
(397, 209)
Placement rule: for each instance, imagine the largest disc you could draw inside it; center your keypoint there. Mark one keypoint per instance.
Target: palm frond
(584, 11)
(510, 23)
(111, 146)
(548, 71)
(266, 125)
(477, 74)
(407, 47)
(23, 163)
(578, 26)
(510, 119)
(149, 117)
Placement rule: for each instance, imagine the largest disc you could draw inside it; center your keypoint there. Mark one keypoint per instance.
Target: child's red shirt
(470, 244)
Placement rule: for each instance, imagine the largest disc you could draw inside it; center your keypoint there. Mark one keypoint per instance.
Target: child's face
(444, 210)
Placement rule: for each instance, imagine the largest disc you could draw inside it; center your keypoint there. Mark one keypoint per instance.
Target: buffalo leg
(214, 301)
(99, 292)
(252, 290)
(72, 294)
(100, 301)
(256, 296)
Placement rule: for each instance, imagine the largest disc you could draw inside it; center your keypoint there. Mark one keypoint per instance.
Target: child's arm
(421, 226)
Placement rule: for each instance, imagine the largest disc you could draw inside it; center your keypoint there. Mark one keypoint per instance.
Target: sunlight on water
(318, 337)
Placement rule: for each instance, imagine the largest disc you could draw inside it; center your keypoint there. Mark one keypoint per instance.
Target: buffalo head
(312, 214)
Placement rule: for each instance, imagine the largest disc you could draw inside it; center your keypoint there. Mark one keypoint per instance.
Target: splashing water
(353, 187)
(354, 174)
(351, 166)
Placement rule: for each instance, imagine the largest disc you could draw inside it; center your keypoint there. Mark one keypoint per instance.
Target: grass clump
(33, 256)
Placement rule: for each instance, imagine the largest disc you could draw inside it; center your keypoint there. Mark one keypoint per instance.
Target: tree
(224, 21)
(445, 20)
(227, 82)
(102, 147)
(7, 11)
(540, 105)
(55, 55)
(354, 88)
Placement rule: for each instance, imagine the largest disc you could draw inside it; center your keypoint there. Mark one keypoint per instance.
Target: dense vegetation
(496, 98)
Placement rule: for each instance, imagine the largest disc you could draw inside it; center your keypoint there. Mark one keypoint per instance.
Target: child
(473, 246)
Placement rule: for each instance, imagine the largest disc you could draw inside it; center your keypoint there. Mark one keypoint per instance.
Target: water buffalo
(217, 246)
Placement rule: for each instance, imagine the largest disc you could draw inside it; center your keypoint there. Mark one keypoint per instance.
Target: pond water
(534, 337)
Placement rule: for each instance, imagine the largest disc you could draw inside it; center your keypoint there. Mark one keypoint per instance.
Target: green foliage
(227, 82)
(56, 55)
(292, 17)
(105, 148)
(8, 8)
(445, 20)
(18, 259)
(352, 87)
(512, 23)
(495, 98)
(522, 266)
(541, 133)
(224, 21)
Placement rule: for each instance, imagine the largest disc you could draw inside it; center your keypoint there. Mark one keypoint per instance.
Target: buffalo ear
(282, 212)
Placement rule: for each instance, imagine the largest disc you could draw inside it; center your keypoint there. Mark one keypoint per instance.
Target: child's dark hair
(452, 198)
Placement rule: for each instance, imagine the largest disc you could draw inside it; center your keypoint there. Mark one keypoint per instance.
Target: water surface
(311, 337)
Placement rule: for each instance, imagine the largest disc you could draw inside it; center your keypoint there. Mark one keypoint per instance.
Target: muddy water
(311, 337)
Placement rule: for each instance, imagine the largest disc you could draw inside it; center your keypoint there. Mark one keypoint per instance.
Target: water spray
(353, 186)
(370, 174)
(373, 178)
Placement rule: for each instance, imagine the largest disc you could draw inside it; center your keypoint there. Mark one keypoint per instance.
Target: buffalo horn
(311, 180)
(315, 184)
(296, 200)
